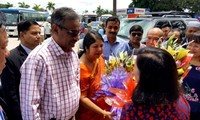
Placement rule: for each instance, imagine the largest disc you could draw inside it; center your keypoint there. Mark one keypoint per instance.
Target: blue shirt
(119, 45)
(101, 31)
(134, 51)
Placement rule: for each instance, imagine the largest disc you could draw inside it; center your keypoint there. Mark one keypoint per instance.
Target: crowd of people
(57, 81)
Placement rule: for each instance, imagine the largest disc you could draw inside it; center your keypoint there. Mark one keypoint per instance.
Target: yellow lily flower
(123, 56)
(112, 61)
(180, 71)
(181, 53)
(171, 51)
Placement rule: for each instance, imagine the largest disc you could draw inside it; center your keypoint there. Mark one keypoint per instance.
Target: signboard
(139, 11)
(135, 11)
(121, 11)
(130, 11)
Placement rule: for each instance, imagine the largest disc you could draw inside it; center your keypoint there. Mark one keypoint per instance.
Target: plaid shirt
(49, 85)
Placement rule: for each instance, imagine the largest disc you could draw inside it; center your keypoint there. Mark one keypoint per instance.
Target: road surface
(12, 42)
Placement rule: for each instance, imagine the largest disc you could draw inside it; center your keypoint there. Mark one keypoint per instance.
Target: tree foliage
(38, 8)
(50, 6)
(7, 5)
(23, 5)
(100, 11)
(167, 5)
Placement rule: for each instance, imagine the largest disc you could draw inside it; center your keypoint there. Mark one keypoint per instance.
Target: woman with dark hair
(191, 82)
(91, 67)
(157, 94)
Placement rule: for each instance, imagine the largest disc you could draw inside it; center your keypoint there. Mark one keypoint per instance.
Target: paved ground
(13, 42)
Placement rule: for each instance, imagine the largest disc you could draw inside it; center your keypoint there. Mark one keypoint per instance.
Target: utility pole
(114, 7)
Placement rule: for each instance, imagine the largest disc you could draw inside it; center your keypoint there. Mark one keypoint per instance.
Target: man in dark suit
(29, 35)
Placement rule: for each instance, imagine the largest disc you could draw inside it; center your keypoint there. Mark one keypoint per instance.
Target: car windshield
(12, 18)
(125, 26)
(95, 25)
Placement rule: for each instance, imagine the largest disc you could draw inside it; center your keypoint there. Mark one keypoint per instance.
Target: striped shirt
(49, 86)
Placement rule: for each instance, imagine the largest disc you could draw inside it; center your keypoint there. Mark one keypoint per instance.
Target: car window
(148, 23)
(159, 23)
(178, 24)
(125, 26)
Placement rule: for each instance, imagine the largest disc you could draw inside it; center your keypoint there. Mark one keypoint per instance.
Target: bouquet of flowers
(123, 61)
(118, 82)
(180, 55)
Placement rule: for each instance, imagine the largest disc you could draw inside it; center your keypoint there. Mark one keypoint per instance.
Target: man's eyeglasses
(72, 33)
(138, 34)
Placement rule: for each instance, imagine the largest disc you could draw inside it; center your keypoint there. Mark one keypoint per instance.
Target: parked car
(147, 23)
(95, 25)
(150, 22)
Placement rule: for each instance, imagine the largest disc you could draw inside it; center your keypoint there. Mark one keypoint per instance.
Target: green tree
(7, 5)
(23, 5)
(143, 3)
(38, 8)
(167, 5)
(191, 5)
(50, 6)
(196, 8)
(100, 11)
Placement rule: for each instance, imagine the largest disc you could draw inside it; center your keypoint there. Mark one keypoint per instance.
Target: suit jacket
(11, 80)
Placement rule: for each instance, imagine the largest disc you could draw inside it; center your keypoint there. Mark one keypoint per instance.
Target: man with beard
(113, 44)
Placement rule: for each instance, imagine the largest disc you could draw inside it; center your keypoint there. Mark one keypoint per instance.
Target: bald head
(153, 36)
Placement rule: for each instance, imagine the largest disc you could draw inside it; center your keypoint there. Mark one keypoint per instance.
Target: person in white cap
(192, 27)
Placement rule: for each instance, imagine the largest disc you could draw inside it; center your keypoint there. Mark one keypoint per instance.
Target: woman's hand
(107, 115)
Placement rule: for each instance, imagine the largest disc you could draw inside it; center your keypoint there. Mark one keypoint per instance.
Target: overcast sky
(78, 5)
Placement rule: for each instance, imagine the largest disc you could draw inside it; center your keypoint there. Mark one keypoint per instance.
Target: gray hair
(60, 15)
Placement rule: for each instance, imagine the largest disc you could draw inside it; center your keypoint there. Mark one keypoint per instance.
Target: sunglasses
(72, 33)
(134, 34)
